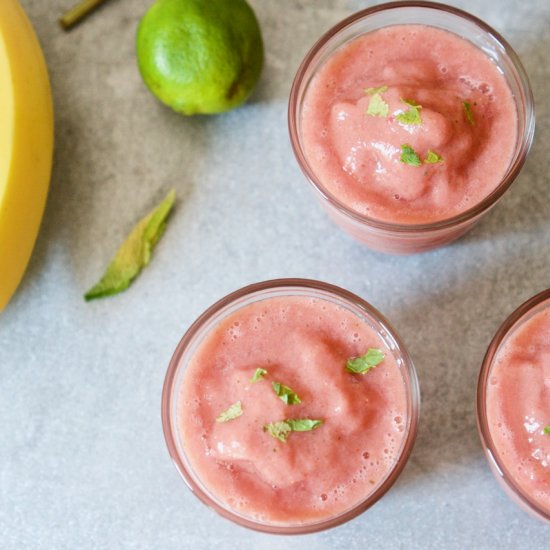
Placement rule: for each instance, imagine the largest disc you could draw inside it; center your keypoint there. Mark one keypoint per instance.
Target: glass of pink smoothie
(513, 405)
(410, 120)
(290, 406)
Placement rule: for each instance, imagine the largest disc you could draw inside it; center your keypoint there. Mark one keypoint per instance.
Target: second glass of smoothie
(513, 405)
(290, 406)
(410, 119)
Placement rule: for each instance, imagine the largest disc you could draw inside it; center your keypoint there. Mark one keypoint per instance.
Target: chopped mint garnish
(281, 430)
(468, 111)
(134, 253)
(432, 158)
(379, 90)
(412, 115)
(286, 394)
(547, 430)
(377, 106)
(363, 364)
(230, 414)
(409, 156)
(258, 375)
(303, 424)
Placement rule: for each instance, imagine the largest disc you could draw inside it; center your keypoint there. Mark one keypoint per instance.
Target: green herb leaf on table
(547, 430)
(377, 106)
(281, 430)
(412, 115)
(363, 364)
(432, 158)
(285, 394)
(469, 113)
(234, 411)
(409, 156)
(258, 375)
(134, 253)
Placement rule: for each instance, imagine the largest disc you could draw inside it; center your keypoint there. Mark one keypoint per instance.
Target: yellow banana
(26, 143)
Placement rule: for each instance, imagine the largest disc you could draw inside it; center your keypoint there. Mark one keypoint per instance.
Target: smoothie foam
(468, 117)
(303, 343)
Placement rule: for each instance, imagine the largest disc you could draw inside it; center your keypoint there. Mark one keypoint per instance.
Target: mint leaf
(134, 253)
(409, 156)
(432, 158)
(412, 115)
(285, 394)
(468, 111)
(303, 424)
(233, 412)
(547, 430)
(281, 430)
(379, 90)
(363, 364)
(258, 375)
(377, 106)
(278, 430)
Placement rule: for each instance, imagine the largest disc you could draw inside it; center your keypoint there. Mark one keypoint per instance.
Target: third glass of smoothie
(290, 406)
(513, 405)
(410, 119)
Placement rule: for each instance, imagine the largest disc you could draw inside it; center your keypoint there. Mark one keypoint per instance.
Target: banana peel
(26, 143)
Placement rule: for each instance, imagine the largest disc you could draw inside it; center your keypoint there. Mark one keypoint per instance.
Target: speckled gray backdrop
(82, 457)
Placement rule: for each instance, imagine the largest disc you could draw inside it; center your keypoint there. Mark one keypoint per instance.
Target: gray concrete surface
(82, 457)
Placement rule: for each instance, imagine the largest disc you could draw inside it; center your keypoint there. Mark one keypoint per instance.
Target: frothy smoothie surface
(303, 344)
(409, 124)
(518, 407)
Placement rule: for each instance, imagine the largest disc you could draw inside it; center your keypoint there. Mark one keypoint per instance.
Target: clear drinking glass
(399, 238)
(208, 322)
(504, 475)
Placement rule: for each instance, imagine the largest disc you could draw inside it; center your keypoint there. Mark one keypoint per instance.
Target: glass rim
(169, 397)
(490, 200)
(484, 431)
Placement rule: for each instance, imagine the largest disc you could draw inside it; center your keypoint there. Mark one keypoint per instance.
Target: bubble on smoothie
(241, 502)
(234, 332)
(484, 88)
(468, 82)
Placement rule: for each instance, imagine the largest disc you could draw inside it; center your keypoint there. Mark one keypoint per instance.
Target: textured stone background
(82, 457)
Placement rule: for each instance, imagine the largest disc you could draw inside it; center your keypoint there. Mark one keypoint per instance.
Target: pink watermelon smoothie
(468, 117)
(302, 343)
(518, 407)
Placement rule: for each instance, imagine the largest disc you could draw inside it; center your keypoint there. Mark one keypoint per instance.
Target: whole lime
(200, 56)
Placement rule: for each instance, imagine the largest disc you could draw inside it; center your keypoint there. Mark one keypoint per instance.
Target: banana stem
(78, 12)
